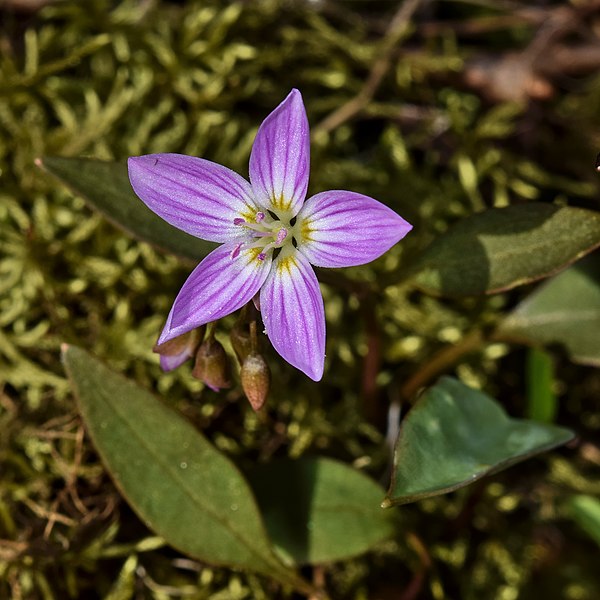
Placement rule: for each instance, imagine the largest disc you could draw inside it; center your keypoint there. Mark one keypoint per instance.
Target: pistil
(281, 235)
(267, 233)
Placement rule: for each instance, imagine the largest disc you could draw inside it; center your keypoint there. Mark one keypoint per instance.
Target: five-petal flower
(270, 235)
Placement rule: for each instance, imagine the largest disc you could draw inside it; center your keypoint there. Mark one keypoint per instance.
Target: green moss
(112, 79)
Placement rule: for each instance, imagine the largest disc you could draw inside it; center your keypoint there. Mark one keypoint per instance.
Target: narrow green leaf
(541, 399)
(455, 435)
(585, 511)
(502, 248)
(105, 186)
(565, 311)
(318, 510)
(175, 480)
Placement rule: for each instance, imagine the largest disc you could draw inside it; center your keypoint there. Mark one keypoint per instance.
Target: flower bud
(241, 341)
(176, 351)
(212, 365)
(256, 379)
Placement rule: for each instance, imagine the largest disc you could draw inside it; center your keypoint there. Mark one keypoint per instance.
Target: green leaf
(455, 435)
(175, 480)
(565, 311)
(585, 511)
(105, 186)
(502, 248)
(541, 399)
(319, 510)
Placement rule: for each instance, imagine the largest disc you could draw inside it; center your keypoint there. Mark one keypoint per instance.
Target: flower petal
(344, 229)
(280, 158)
(218, 286)
(293, 313)
(195, 195)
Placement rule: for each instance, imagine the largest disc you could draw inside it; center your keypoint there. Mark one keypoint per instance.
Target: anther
(281, 235)
(238, 221)
(236, 251)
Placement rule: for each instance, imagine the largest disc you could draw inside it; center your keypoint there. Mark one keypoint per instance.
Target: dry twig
(396, 31)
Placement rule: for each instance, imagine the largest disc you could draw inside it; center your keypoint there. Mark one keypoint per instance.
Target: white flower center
(265, 232)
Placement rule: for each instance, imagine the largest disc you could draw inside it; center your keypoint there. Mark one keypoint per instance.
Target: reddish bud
(212, 365)
(256, 380)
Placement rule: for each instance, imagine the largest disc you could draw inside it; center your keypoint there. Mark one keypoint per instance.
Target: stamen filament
(259, 228)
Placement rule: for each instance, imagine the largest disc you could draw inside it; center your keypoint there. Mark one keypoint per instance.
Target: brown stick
(396, 31)
(441, 361)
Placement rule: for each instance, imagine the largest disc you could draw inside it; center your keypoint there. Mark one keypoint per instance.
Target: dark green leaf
(541, 399)
(502, 248)
(455, 435)
(319, 510)
(585, 511)
(105, 186)
(565, 311)
(175, 480)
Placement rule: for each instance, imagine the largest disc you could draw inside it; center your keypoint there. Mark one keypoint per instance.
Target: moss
(112, 79)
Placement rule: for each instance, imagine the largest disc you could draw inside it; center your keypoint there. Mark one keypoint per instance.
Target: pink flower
(270, 234)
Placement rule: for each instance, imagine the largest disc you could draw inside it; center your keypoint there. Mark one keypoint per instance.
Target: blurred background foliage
(454, 106)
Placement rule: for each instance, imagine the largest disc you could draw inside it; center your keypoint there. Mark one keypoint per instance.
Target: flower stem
(253, 340)
(210, 334)
(440, 362)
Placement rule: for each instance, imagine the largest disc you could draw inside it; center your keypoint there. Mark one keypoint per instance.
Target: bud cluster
(211, 362)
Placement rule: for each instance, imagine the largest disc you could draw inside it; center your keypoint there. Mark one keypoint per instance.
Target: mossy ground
(113, 79)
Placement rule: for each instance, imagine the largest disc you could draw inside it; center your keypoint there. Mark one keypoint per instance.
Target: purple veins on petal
(293, 314)
(280, 158)
(343, 229)
(217, 287)
(195, 195)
